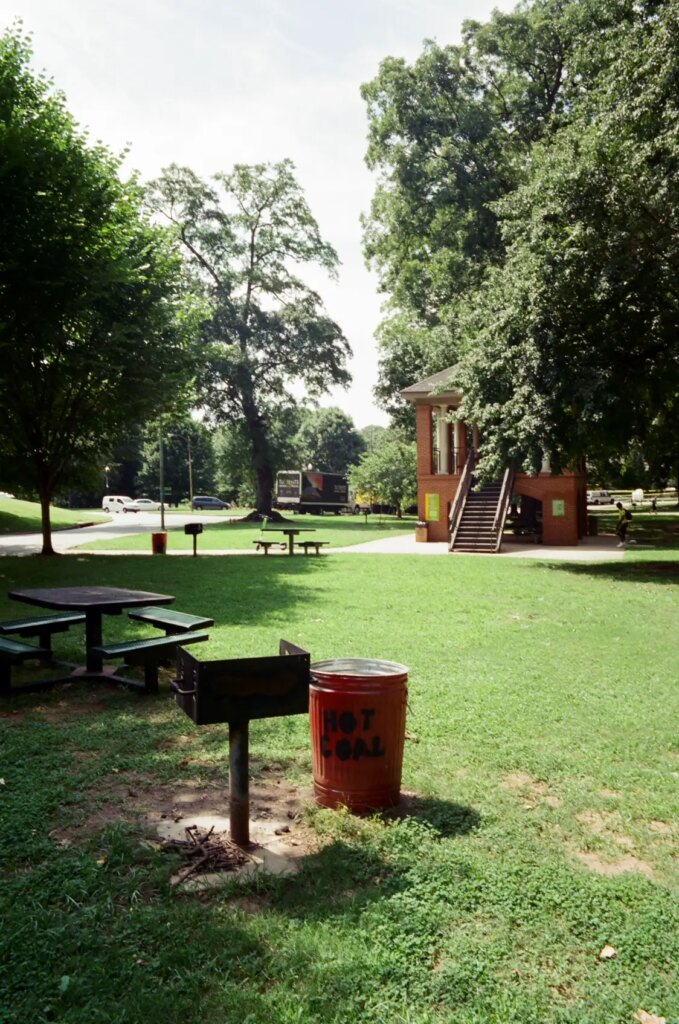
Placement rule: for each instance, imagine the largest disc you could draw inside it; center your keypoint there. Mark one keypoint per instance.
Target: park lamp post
(107, 470)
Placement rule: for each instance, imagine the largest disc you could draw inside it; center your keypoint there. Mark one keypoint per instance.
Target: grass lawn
(24, 516)
(543, 749)
(338, 531)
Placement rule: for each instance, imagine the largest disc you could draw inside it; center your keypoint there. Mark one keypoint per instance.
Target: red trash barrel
(357, 709)
(159, 543)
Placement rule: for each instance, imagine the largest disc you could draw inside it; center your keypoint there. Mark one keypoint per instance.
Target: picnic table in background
(290, 532)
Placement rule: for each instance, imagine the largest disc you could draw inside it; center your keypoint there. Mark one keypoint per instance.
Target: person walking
(624, 519)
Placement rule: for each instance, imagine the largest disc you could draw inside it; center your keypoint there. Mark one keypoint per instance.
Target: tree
(327, 440)
(234, 471)
(243, 237)
(527, 209)
(573, 344)
(92, 334)
(389, 472)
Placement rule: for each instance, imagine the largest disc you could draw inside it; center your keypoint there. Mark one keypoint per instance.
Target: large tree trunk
(45, 496)
(261, 455)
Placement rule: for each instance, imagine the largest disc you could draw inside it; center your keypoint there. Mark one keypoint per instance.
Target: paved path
(121, 525)
(591, 549)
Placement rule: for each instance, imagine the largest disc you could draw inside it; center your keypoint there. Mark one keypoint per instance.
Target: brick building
(546, 507)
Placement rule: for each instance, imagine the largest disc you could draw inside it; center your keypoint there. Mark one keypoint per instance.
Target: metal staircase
(477, 518)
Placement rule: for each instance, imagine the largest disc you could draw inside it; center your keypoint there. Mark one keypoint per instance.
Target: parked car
(143, 505)
(207, 501)
(118, 503)
(599, 498)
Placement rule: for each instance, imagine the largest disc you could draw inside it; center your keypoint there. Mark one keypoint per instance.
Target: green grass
(24, 516)
(338, 531)
(542, 711)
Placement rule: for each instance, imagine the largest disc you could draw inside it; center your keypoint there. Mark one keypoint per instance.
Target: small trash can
(357, 709)
(159, 543)
(592, 526)
(421, 532)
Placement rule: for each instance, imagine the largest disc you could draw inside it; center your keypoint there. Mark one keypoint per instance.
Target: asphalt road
(121, 525)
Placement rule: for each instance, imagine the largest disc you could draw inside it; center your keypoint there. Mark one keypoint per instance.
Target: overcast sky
(210, 83)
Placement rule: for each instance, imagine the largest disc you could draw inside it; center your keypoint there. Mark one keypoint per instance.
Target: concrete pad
(268, 853)
(590, 549)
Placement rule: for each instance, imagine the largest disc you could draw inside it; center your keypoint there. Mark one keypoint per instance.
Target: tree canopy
(244, 235)
(388, 473)
(524, 223)
(327, 440)
(93, 334)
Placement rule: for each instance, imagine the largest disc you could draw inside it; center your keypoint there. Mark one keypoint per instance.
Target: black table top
(290, 529)
(82, 598)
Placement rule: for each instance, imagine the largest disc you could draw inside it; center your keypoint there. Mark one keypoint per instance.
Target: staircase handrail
(460, 497)
(503, 505)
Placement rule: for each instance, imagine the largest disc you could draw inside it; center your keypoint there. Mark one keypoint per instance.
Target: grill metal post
(239, 798)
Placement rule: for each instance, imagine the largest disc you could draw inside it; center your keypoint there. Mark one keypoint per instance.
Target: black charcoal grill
(236, 690)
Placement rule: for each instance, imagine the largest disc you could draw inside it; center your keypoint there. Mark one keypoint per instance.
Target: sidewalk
(590, 549)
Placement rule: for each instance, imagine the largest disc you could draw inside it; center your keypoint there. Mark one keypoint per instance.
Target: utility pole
(162, 481)
(188, 441)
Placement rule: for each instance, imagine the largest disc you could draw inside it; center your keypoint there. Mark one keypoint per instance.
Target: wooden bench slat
(171, 621)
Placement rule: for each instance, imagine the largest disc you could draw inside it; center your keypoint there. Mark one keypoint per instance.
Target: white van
(599, 498)
(117, 503)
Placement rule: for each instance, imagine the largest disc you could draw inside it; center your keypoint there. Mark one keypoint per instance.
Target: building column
(442, 438)
(424, 440)
(458, 445)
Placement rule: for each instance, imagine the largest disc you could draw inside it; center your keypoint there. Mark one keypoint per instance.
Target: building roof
(435, 386)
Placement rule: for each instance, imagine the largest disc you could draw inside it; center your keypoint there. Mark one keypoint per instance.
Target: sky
(211, 83)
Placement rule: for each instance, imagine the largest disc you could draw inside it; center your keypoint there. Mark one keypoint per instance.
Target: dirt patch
(58, 711)
(597, 822)
(660, 828)
(533, 790)
(625, 864)
(610, 794)
(136, 800)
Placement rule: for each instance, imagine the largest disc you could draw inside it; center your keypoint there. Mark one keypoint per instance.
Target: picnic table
(94, 602)
(290, 532)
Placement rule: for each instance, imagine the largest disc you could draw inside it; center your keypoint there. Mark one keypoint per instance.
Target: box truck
(301, 490)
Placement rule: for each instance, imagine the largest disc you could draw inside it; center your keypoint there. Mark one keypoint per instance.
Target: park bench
(150, 653)
(43, 626)
(266, 544)
(13, 652)
(169, 620)
(306, 544)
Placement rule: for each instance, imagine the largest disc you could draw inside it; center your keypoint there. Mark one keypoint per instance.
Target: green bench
(149, 653)
(171, 621)
(306, 544)
(13, 652)
(43, 626)
(266, 544)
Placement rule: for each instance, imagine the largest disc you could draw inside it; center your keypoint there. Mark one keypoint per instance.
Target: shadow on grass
(353, 872)
(233, 591)
(447, 819)
(624, 572)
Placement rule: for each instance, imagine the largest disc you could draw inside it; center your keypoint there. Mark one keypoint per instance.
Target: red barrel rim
(358, 668)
